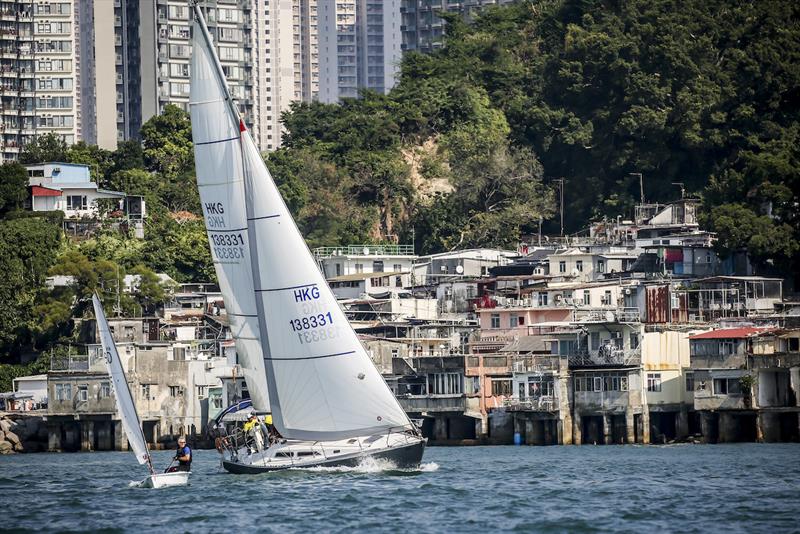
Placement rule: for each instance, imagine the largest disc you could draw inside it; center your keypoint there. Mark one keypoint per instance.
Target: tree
(13, 186)
(98, 160)
(44, 148)
(167, 142)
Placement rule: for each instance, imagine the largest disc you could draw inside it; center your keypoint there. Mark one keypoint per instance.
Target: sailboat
(329, 404)
(127, 408)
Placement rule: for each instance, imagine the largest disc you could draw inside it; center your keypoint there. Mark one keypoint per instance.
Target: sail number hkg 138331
(312, 321)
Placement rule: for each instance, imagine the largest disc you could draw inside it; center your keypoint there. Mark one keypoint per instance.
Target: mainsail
(127, 409)
(322, 383)
(218, 164)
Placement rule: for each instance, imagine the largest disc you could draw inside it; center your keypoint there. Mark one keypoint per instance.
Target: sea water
(674, 488)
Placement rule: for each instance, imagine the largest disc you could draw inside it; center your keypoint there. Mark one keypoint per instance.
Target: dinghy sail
(127, 408)
(322, 384)
(217, 154)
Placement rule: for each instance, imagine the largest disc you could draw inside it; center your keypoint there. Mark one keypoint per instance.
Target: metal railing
(606, 355)
(364, 250)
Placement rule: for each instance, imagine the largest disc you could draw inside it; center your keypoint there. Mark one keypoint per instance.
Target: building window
(579, 265)
(542, 299)
(513, 320)
(726, 348)
(594, 339)
(495, 320)
(444, 384)
(63, 392)
(727, 386)
(601, 266)
(216, 403)
(83, 393)
(359, 267)
(201, 392)
(105, 389)
(146, 391)
(76, 202)
(587, 297)
(562, 266)
(654, 382)
(689, 381)
(634, 340)
(338, 269)
(501, 387)
(377, 266)
(175, 391)
(397, 268)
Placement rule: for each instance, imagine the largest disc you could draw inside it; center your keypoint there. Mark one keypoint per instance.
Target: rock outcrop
(22, 433)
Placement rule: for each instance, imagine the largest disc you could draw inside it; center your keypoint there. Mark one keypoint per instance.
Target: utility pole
(641, 184)
(561, 191)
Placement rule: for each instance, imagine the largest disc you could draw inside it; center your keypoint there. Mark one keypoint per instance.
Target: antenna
(683, 189)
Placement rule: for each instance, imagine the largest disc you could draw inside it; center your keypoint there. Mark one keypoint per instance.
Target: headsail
(218, 165)
(127, 409)
(322, 384)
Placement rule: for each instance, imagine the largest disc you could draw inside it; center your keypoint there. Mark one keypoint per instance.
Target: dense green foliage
(702, 93)
(465, 149)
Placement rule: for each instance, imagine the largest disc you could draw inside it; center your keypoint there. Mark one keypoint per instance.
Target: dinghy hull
(166, 480)
(401, 457)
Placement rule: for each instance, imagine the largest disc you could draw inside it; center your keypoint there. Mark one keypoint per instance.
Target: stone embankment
(22, 433)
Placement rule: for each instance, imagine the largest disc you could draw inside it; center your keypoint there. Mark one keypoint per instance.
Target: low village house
(634, 332)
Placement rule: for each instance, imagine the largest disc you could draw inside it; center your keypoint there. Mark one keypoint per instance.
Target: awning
(39, 191)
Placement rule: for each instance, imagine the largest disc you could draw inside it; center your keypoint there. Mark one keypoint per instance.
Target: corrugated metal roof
(732, 333)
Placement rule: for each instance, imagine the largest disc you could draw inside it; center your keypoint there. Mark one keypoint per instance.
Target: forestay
(218, 165)
(127, 409)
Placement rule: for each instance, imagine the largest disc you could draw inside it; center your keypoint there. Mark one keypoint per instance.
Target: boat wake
(371, 465)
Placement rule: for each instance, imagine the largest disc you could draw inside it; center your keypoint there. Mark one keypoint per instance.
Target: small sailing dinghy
(329, 404)
(127, 409)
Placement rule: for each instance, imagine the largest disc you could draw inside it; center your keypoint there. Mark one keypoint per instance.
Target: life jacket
(181, 452)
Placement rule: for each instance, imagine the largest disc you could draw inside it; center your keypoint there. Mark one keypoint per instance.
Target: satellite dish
(366, 251)
(609, 317)
(459, 269)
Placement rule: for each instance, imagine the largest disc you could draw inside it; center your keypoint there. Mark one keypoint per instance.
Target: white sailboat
(329, 403)
(127, 409)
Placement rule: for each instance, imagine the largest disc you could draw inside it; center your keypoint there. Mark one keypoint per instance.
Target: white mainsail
(127, 409)
(322, 384)
(218, 165)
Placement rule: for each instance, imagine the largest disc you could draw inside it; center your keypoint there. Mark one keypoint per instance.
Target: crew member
(183, 455)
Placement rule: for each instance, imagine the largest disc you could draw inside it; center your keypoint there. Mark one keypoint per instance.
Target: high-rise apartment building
(96, 70)
(359, 46)
(37, 72)
(423, 29)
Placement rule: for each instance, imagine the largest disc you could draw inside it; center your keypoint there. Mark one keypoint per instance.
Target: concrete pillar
(608, 429)
(87, 436)
(440, 428)
(53, 437)
(120, 440)
(645, 425)
(630, 426)
(794, 382)
(727, 429)
(682, 422)
(577, 435)
(565, 430)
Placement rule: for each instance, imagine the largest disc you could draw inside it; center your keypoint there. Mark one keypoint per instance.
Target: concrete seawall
(22, 433)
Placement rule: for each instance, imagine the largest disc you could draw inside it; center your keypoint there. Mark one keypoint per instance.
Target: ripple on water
(547, 489)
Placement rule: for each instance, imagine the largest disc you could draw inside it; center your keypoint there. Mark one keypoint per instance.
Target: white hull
(165, 480)
(400, 450)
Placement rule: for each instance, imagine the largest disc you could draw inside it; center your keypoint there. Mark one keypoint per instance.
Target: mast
(322, 384)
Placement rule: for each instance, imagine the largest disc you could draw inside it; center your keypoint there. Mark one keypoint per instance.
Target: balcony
(606, 356)
(615, 315)
(433, 403)
(536, 364)
(545, 403)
